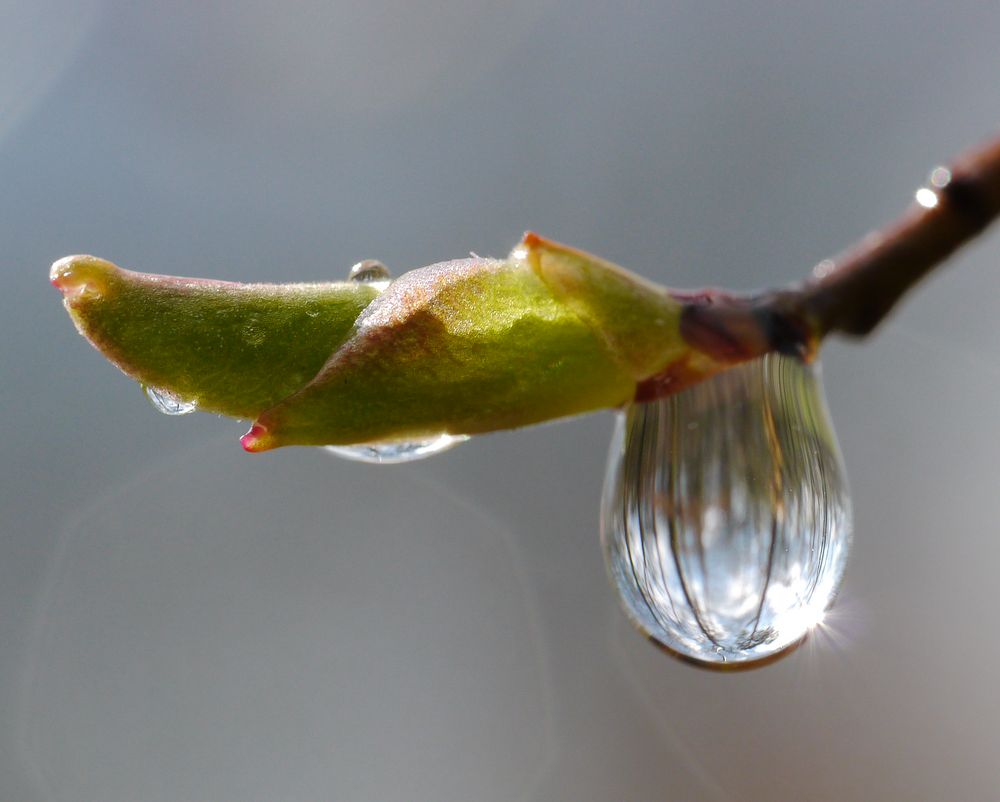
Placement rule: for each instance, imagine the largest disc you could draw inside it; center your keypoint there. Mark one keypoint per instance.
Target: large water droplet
(371, 271)
(726, 519)
(167, 402)
(404, 451)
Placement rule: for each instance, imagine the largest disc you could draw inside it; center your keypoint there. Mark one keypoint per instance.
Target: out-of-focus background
(183, 621)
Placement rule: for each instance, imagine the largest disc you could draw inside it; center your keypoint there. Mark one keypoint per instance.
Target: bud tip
(257, 439)
(80, 276)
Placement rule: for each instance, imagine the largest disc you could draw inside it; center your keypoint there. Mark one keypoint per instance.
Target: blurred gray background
(183, 621)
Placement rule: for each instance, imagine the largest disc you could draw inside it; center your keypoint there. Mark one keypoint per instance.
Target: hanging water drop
(371, 271)
(726, 519)
(394, 453)
(167, 402)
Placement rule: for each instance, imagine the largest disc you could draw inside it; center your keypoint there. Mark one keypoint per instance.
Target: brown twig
(852, 293)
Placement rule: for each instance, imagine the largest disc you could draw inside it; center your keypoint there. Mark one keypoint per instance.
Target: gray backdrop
(183, 621)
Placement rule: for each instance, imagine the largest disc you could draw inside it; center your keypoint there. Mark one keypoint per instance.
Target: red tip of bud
(257, 439)
(531, 239)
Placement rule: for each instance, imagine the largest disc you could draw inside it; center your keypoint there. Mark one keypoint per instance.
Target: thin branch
(856, 292)
(852, 293)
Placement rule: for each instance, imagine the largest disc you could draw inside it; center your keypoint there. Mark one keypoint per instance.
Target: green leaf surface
(476, 345)
(235, 349)
(461, 347)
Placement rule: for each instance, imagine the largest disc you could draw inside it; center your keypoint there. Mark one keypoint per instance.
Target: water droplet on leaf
(253, 334)
(404, 451)
(371, 271)
(167, 402)
(727, 540)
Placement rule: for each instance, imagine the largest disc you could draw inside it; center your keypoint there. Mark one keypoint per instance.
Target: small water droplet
(253, 334)
(167, 402)
(727, 542)
(926, 197)
(312, 309)
(404, 451)
(940, 177)
(824, 268)
(371, 271)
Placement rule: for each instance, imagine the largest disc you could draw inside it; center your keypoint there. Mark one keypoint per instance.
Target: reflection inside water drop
(371, 271)
(404, 451)
(726, 517)
(167, 402)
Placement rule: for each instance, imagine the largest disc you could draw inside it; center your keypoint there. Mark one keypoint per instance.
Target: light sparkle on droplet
(167, 402)
(395, 453)
(727, 542)
(927, 197)
(824, 268)
(519, 254)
